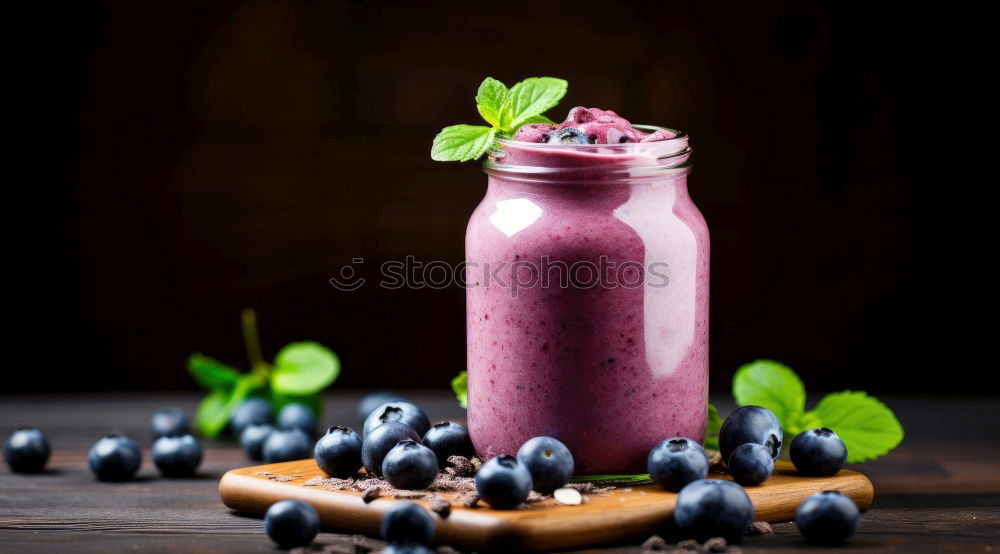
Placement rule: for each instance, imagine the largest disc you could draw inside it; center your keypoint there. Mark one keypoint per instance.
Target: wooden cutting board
(619, 514)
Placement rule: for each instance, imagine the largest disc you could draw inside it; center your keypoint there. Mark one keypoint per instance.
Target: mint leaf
(533, 96)
(867, 426)
(772, 385)
(459, 143)
(460, 384)
(714, 425)
(210, 373)
(491, 101)
(211, 416)
(538, 119)
(303, 368)
(215, 409)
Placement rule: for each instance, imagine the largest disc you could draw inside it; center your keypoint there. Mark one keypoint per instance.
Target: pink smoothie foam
(597, 125)
(609, 369)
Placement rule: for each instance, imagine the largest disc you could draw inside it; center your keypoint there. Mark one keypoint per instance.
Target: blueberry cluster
(397, 443)
(116, 457)
(264, 437)
(750, 440)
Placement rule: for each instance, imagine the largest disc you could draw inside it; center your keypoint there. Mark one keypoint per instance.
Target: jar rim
(630, 160)
(679, 136)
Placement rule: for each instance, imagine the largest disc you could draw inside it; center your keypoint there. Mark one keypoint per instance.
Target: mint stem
(248, 320)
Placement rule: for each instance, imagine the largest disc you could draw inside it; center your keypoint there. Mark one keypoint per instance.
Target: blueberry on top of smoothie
(568, 135)
(588, 126)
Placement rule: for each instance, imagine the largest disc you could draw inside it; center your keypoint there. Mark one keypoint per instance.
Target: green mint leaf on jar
(460, 385)
(491, 101)
(505, 110)
(460, 143)
(771, 385)
(304, 368)
(868, 427)
(532, 97)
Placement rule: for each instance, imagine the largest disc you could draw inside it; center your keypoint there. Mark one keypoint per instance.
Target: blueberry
(548, 461)
(827, 518)
(751, 464)
(448, 439)
(291, 523)
(252, 439)
(285, 445)
(252, 410)
(750, 424)
(407, 522)
(168, 421)
(177, 455)
(676, 462)
(400, 411)
(818, 452)
(371, 402)
(296, 415)
(503, 482)
(410, 466)
(380, 441)
(713, 508)
(568, 135)
(338, 452)
(114, 457)
(26, 451)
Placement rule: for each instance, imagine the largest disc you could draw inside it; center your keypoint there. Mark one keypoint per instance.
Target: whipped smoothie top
(516, 121)
(588, 126)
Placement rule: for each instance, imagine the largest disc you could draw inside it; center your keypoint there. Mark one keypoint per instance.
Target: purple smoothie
(611, 359)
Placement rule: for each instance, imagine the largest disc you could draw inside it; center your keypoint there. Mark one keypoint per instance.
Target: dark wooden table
(938, 492)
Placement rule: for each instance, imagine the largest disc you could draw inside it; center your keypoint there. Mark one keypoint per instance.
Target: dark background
(188, 160)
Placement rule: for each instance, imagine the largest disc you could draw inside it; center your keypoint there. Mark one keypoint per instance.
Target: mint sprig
(299, 372)
(505, 110)
(868, 427)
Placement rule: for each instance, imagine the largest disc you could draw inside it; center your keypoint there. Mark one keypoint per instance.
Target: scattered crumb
(460, 466)
(716, 544)
(371, 494)
(627, 490)
(279, 478)
(410, 495)
(715, 463)
(689, 544)
(441, 507)
(535, 497)
(654, 544)
(589, 488)
(471, 500)
(760, 528)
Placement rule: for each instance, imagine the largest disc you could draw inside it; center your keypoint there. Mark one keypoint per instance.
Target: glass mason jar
(587, 270)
